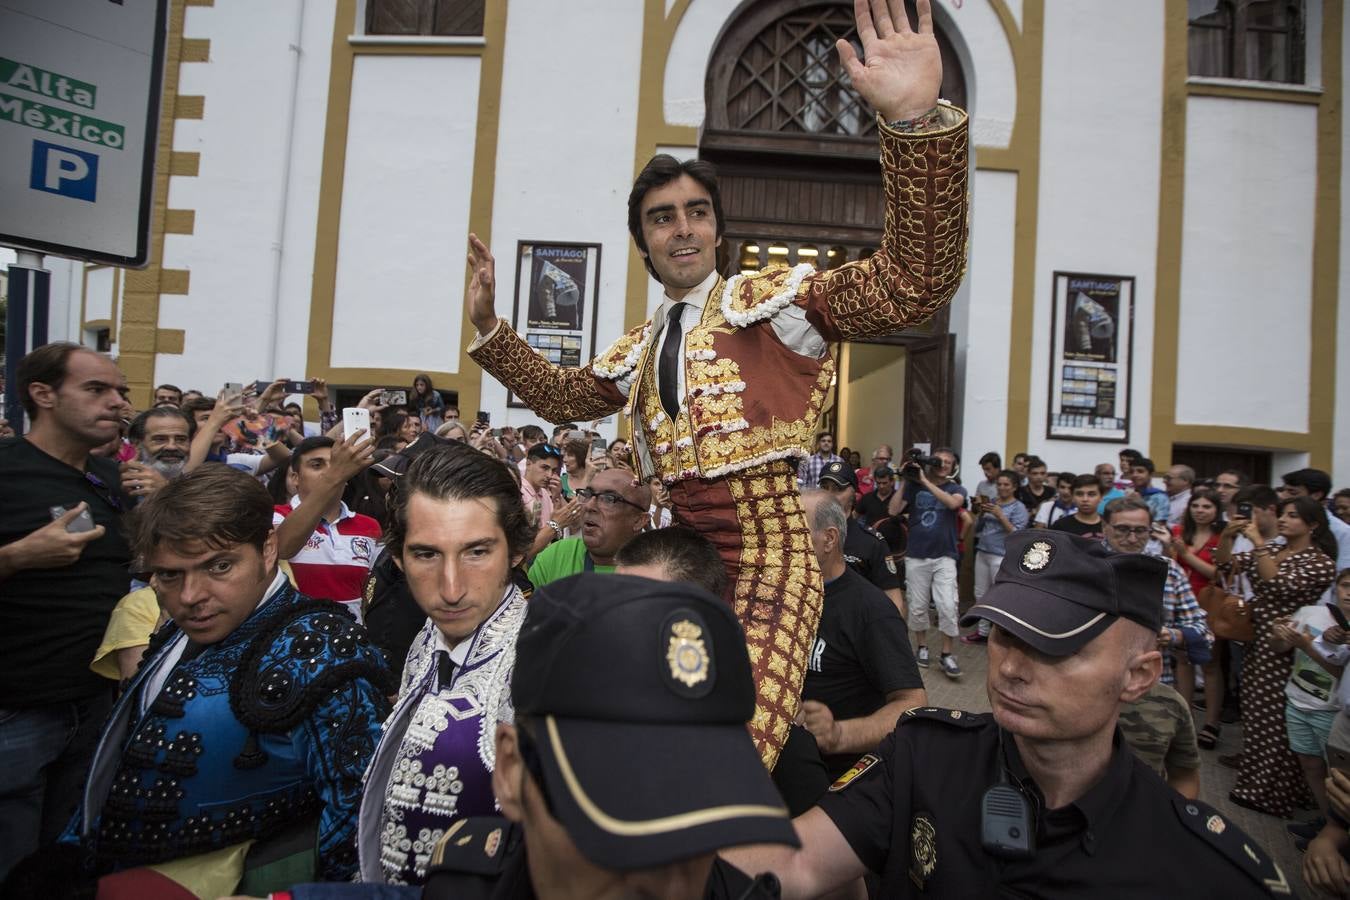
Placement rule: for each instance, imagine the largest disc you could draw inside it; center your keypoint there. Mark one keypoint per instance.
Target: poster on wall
(557, 287)
(1091, 353)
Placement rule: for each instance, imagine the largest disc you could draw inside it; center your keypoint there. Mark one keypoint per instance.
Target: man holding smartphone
(59, 586)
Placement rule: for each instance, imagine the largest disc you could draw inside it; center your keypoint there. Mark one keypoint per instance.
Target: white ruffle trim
(662, 448)
(629, 361)
(719, 387)
(701, 354)
(657, 420)
(761, 459)
(768, 308)
(685, 441)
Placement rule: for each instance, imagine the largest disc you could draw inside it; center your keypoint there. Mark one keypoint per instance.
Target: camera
(915, 462)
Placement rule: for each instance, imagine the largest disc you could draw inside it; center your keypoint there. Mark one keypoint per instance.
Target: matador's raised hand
(901, 70)
(482, 286)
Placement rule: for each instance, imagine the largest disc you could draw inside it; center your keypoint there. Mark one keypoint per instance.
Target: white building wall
(405, 213)
(1251, 188)
(239, 197)
(1099, 162)
(982, 334)
(565, 151)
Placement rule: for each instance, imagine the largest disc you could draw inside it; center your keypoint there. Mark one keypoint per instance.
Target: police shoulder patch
(475, 846)
(954, 717)
(855, 771)
(1232, 843)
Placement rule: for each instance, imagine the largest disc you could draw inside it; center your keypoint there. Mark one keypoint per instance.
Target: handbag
(1229, 614)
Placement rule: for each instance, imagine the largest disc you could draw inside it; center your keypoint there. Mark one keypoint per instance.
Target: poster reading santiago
(557, 286)
(1091, 354)
(557, 277)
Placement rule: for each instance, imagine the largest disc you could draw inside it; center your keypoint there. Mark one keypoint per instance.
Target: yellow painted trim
(1246, 92)
(135, 329)
(1023, 157)
(1231, 436)
(419, 50)
(96, 324)
(1171, 219)
(1326, 256)
(467, 382)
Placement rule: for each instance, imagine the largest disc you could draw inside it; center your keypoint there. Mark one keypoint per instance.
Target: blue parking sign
(64, 171)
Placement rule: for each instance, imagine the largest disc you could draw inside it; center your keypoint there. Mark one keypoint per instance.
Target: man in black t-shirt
(861, 674)
(874, 509)
(59, 580)
(1085, 521)
(864, 550)
(1037, 489)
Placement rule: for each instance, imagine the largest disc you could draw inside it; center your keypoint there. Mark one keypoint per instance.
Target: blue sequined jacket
(274, 723)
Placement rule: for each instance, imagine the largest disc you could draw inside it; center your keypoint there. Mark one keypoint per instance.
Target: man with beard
(613, 509)
(161, 436)
(60, 581)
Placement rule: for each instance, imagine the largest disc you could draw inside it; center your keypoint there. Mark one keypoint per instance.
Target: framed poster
(557, 289)
(1091, 354)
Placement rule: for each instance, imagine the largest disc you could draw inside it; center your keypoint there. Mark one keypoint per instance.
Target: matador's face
(680, 229)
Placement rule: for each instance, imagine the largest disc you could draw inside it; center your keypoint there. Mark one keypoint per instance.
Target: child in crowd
(1312, 690)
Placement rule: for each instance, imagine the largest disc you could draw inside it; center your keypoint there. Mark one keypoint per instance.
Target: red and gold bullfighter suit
(757, 368)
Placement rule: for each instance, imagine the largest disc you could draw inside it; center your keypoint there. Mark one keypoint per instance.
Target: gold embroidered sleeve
(556, 394)
(922, 257)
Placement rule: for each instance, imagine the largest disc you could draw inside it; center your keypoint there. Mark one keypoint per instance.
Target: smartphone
(577, 435)
(299, 387)
(484, 417)
(598, 444)
(233, 388)
(1339, 616)
(1244, 510)
(354, 419)
(393, 398)
(83, 522)
(1338, 758)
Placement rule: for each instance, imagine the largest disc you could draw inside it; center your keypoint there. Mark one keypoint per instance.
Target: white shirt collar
(460, 652)
(695, 298)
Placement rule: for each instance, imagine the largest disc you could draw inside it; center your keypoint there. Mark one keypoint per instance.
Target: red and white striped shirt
(336, 559)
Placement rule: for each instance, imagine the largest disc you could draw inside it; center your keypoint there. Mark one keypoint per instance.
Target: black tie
(667, 377)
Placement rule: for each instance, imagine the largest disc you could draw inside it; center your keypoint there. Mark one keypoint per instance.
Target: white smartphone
(354, 419)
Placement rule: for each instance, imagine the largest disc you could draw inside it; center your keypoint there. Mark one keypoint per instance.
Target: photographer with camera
(934, 500)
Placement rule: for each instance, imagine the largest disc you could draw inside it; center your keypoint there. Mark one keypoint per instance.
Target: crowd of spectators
(896, 540)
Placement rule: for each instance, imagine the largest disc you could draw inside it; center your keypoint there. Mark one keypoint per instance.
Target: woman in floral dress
(1284, 577)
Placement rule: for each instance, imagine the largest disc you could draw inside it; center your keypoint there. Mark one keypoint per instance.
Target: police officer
(1040, 798)
(865, 550)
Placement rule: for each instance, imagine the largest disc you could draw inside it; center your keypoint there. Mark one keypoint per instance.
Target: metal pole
(26, 325)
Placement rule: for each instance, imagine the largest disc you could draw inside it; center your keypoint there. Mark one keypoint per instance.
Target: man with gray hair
(1179, 480)
(861, 674)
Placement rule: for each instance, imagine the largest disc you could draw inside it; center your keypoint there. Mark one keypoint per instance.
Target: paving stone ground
(968, 693)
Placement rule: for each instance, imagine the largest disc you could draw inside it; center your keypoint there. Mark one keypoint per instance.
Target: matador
(724, 385)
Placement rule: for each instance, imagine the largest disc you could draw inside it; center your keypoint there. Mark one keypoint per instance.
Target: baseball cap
(841, 473)
(635, 696)
(1057, 591)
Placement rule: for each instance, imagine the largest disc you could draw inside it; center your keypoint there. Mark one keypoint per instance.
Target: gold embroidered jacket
(748, 398)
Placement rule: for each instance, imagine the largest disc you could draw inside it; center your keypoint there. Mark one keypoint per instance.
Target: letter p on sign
(61, 170)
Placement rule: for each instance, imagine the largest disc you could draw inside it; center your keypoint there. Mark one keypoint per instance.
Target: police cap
(1057, 591)
(635, 695)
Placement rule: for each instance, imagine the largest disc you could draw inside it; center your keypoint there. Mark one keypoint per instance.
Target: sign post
(26, 325)
(79, 114)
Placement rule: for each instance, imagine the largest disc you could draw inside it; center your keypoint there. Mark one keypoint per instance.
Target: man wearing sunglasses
(613, 509)
(60, 581)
